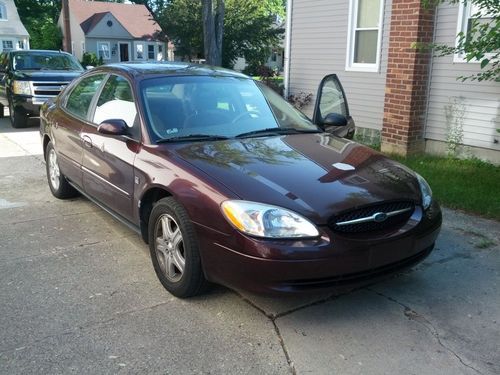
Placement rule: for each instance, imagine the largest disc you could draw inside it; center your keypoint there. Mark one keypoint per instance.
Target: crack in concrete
(422, 320)
(49, 217)
(272, 318)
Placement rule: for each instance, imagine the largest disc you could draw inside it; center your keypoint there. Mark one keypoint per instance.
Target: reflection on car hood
(317, 175)
(47, 75)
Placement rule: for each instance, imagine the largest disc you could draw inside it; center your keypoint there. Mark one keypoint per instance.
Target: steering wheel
(252, 115)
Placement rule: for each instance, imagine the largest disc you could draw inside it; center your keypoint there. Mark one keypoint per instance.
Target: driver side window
(79, 99)
(116, 102)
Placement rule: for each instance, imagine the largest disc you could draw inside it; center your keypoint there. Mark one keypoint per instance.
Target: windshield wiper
(193, 137)
(273, 131)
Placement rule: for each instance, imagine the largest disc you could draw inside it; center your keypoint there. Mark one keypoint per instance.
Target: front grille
(366, 212)
(47, 88)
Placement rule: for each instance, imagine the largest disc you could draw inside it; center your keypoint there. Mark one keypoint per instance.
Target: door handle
(87, 142)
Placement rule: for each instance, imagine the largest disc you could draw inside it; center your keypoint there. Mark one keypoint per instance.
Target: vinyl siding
(319, 47)
(480, 100)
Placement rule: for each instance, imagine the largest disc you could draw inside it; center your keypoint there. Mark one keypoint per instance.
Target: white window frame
(20, 44)
(82, 46)
(3, 12)
(8, 49)
(144, 51)
(99, 43)
(464, 13)
(350, 65)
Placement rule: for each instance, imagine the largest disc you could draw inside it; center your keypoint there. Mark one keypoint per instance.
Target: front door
(124, 47)
(331, 99)
(108, 161)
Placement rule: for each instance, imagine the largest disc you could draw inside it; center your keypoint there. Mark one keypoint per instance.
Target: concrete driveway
(79, 295)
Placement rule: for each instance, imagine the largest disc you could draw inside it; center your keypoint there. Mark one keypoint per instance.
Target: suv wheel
(18, 118)
(174, 249)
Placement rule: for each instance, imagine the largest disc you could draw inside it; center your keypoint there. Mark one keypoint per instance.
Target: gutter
(288, 43)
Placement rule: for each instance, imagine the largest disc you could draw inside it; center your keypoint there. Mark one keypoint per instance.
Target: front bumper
(334, 263)
(29, 105)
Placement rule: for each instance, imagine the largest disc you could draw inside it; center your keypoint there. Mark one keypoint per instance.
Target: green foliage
(480, 43)
(181, 21)
(249, 28)
(470, 185)
(40, 19)
(90, 58)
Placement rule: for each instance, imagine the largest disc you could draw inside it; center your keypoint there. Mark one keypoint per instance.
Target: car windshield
(179, 107)
(45, 61)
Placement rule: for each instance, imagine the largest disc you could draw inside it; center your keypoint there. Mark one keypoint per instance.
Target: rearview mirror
(334, 119)
(113, 127)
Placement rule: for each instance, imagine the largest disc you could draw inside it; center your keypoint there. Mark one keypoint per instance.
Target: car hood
(47, 75)
(316, 175)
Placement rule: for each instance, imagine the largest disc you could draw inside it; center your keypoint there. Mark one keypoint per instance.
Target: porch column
(407, 77)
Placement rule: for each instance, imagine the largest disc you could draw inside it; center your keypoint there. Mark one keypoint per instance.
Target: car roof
(172, 68)
(47, 51)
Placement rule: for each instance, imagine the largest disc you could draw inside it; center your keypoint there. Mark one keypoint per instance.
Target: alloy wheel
(170, 248)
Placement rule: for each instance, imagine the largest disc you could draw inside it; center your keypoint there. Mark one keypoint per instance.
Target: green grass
(470, 185)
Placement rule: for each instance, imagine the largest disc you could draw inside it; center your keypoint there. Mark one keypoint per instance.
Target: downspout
(288, 43)
(429, 77)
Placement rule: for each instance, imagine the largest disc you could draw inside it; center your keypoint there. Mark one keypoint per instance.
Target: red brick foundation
(407, 77)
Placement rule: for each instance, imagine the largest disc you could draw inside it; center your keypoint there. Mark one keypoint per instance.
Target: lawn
(470, 185)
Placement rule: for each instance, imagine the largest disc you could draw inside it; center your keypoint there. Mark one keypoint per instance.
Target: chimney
(66, 26)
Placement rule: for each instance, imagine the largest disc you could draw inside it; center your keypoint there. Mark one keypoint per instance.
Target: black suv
(29, 78)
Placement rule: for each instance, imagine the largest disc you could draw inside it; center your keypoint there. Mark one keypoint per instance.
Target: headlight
(268, 221)
(426, 191)
(21, 88)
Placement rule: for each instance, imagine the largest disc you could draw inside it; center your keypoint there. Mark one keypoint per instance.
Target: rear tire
(174, 249)
(58, 184)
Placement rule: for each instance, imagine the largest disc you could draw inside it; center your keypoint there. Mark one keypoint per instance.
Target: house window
(103, 50)
(469, 16)
(151, 52)
(139, 51)
(20, 44)
(7, 45)
(364, 36)
(3, 12)
(83, 48)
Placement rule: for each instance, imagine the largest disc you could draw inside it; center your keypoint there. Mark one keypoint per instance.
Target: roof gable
(13, 25)
(135, 18)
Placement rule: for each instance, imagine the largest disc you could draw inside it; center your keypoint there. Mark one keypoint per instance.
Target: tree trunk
(213, 30)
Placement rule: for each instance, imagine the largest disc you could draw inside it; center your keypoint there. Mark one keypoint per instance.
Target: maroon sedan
(228, 183)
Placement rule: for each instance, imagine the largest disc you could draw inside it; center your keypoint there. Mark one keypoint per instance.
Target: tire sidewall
(191, 253)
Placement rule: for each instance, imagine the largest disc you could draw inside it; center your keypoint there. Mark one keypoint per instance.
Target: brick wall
(407, 78)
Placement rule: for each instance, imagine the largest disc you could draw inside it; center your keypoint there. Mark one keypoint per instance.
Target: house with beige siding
(408, 99)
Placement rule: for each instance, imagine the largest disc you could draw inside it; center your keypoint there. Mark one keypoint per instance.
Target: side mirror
(113, 127)
(334, 119)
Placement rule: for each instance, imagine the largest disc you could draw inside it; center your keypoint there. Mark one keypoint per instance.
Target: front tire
(174, 249)
(58, 184)
(18, 118)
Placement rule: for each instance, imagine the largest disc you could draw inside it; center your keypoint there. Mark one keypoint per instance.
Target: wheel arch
(45, 142)
(148, 199)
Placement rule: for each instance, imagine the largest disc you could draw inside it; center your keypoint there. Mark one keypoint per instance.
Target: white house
(114, 31)
(13, 34)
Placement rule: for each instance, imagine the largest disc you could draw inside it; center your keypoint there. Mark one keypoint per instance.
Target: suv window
(79, 99)
(45, 61)
(116, 102)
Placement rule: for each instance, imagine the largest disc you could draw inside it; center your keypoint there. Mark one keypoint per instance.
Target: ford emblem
(380, 217)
